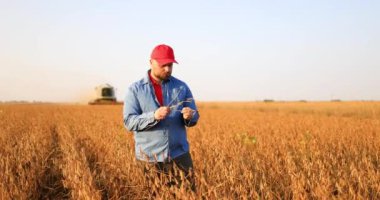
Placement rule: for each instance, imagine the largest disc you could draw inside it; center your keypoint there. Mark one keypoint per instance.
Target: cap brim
(166, 61)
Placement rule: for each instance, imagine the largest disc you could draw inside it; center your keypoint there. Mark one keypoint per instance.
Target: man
(158, 108)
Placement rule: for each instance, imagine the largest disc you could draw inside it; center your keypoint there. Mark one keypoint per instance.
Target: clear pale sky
(228, 50)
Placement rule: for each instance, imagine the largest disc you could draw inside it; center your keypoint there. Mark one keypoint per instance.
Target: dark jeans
(169, 172)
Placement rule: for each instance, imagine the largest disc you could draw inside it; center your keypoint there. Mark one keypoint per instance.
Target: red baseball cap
(163, 54)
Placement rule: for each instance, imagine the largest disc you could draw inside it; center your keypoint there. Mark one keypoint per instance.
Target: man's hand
(187, 113)
(161, 113)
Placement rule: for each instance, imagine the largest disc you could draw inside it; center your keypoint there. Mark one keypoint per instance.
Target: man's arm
(190, 111)
(134, 118)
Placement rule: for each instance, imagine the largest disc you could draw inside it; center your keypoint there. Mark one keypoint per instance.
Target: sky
(59, 51)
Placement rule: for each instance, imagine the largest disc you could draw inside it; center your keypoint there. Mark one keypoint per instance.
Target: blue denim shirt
(158, 141)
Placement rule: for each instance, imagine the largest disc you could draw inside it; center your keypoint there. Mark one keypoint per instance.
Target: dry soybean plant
(313, 150)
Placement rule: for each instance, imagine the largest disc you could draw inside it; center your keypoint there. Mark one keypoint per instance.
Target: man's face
(161, 72)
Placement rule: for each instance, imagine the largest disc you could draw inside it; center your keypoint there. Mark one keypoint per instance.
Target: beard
(163, 76)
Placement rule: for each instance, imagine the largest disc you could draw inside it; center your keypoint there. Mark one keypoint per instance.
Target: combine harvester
(104, 95)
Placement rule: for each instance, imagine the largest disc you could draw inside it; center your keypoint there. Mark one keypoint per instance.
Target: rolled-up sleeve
(134, 118)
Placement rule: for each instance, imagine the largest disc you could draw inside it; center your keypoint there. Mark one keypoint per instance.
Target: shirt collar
(153, 80)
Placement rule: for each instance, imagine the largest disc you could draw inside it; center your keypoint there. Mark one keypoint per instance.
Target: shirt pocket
(147, 103)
